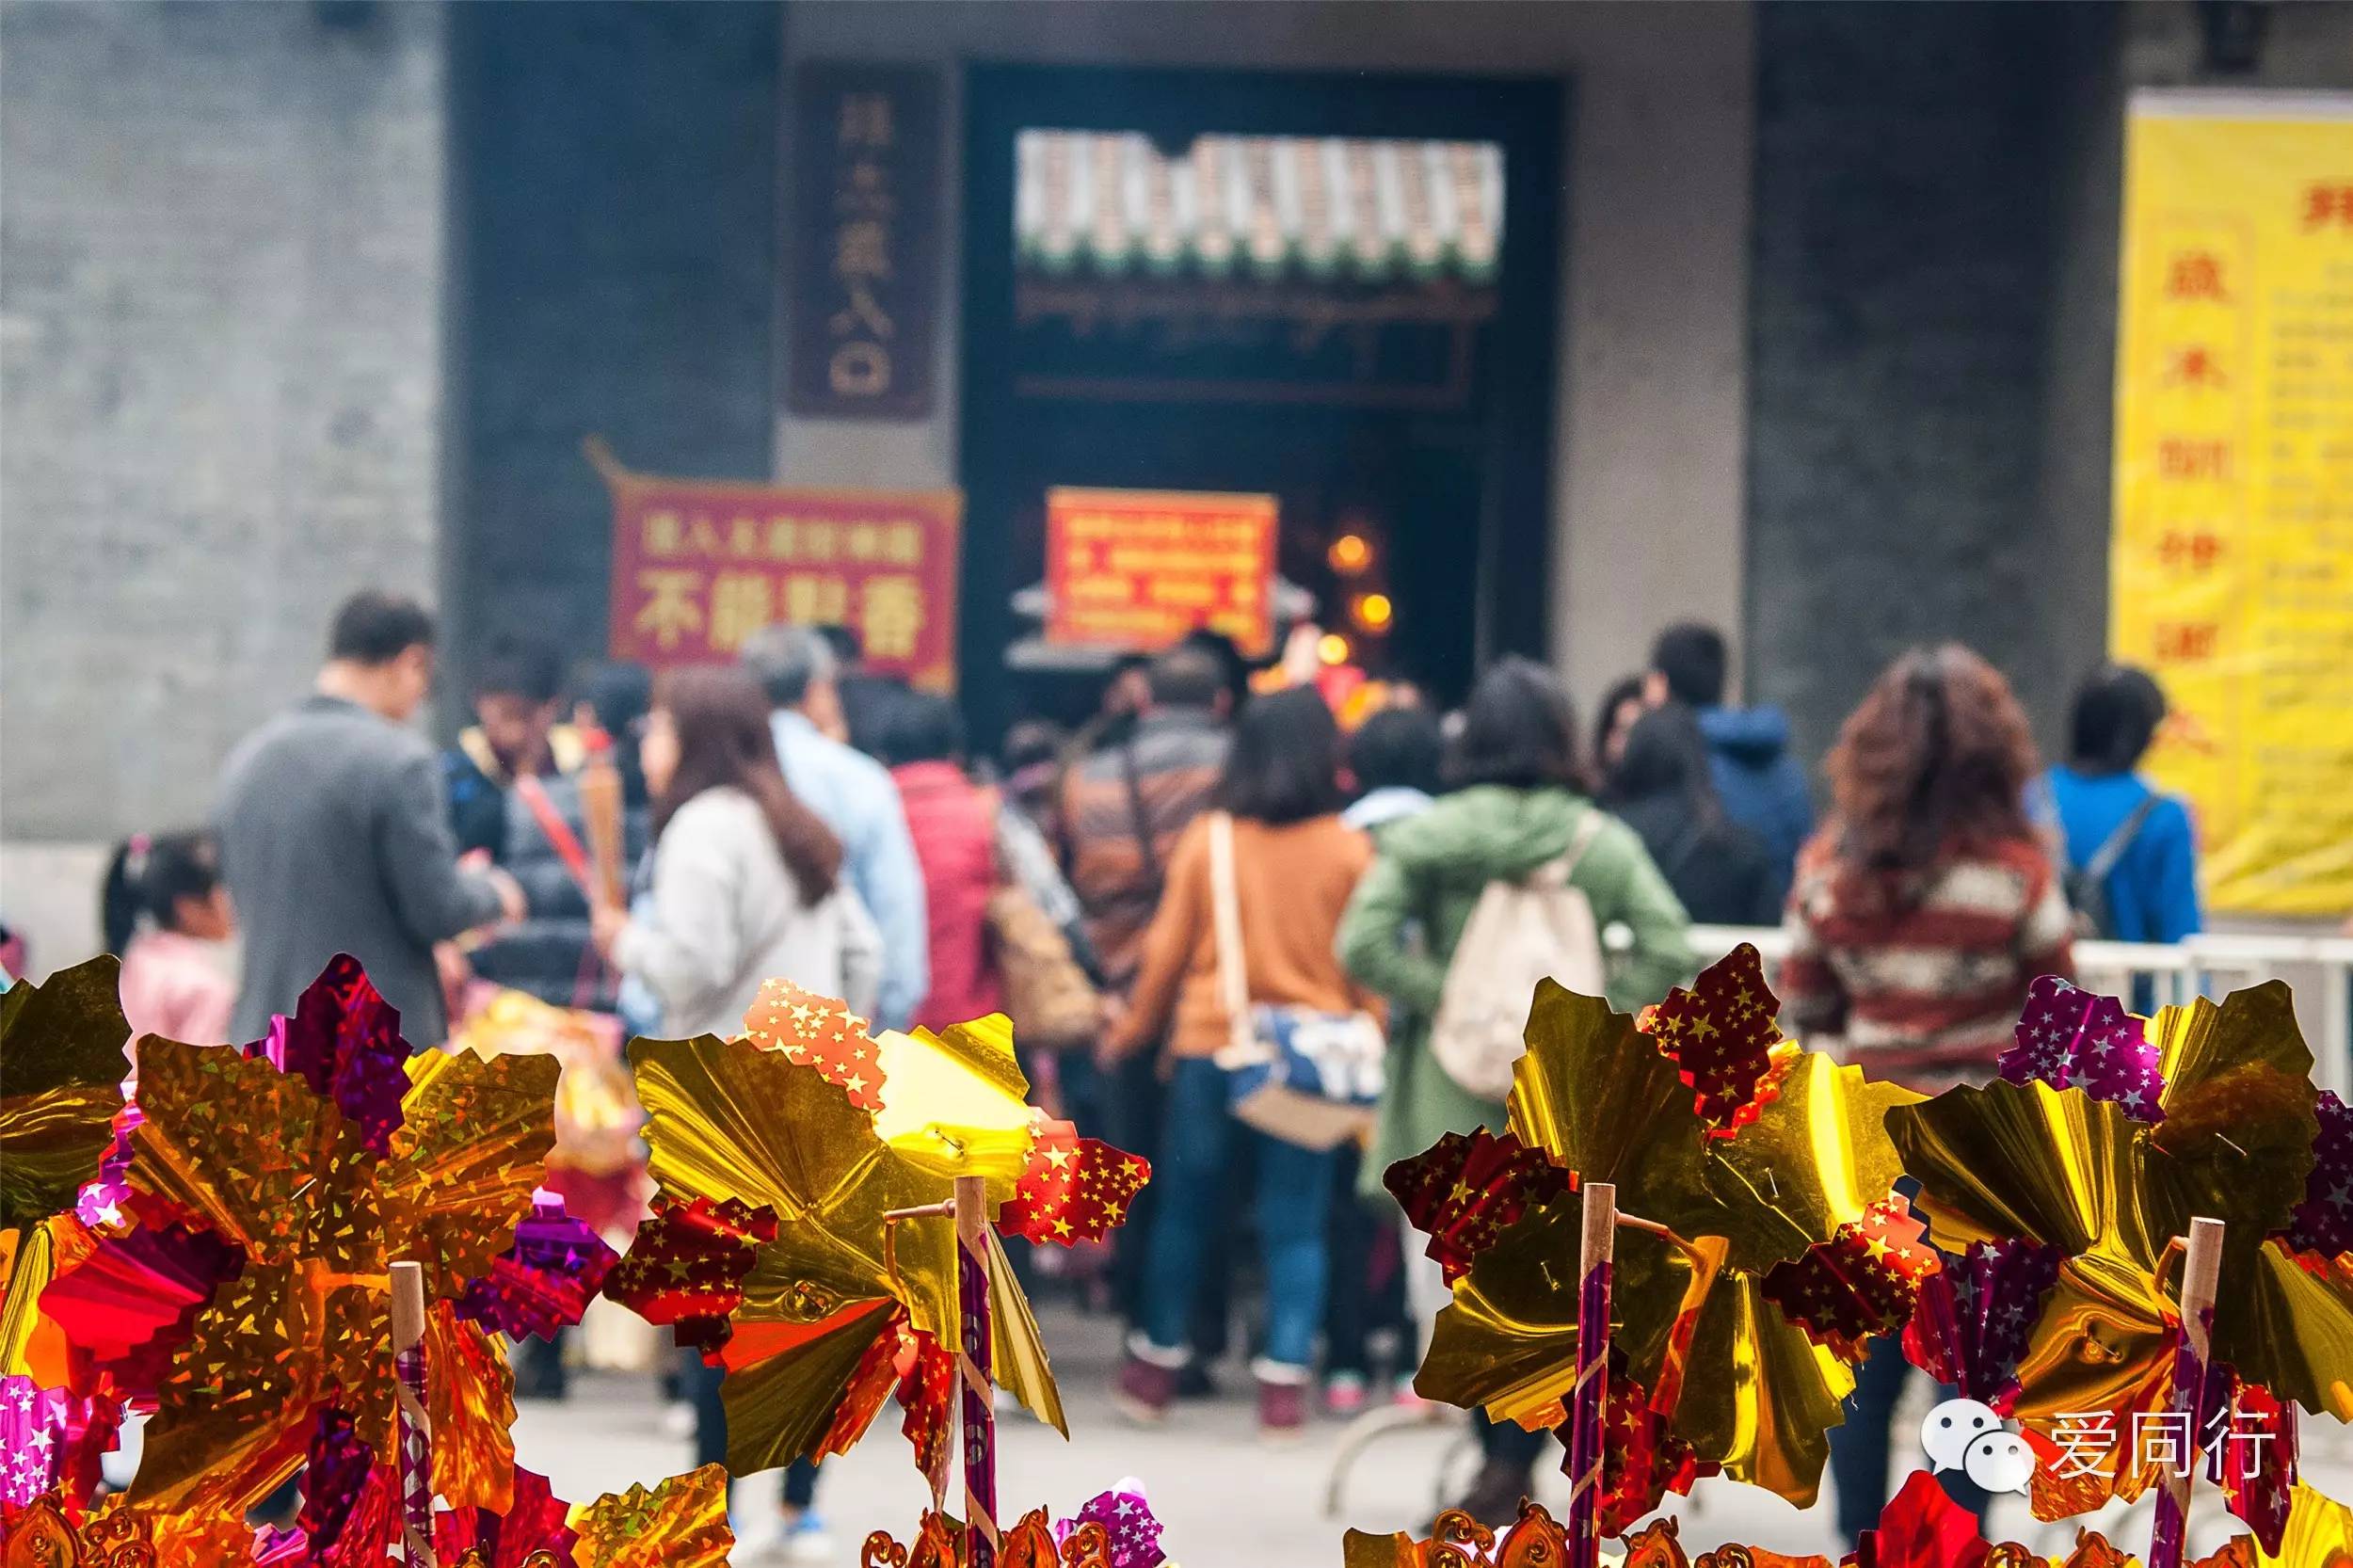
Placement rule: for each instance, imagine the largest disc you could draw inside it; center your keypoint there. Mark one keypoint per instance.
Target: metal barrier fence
(2319, 967)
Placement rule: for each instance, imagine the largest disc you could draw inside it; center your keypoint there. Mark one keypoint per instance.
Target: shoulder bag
(1296, 1073)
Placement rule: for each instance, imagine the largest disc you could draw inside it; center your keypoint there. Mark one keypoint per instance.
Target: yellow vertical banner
(2230, 566)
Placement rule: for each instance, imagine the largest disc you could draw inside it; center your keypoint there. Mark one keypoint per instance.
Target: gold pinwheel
(279, 1170)
(825, 1302)
(2230, 1137)
(61, 1071)
(1747, 1387)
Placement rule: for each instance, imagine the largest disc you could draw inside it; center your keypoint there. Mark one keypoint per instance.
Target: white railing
(2319, 967)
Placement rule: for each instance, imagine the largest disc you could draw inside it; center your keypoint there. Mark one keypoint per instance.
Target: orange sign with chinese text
(1137, 569)
(699, 566)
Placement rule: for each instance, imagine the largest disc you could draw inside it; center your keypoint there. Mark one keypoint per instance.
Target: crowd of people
(1207, 876)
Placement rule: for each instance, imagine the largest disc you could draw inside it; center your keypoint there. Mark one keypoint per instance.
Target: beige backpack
(1520, 933)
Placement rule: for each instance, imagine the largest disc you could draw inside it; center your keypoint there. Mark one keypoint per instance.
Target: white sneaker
(803, 1542)
(808, 1541)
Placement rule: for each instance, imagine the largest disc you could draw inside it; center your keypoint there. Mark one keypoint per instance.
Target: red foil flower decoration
(1074, 1188)
(1864, 1281)
(820, 1033)
(1463, 1191)
(688, 1265)
(1723, 1039)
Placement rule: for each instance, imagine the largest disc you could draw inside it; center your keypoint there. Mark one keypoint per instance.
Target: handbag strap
(1233, 980)
(1140, 816)
(2111, 851)
(589, 979)
(1561, 872)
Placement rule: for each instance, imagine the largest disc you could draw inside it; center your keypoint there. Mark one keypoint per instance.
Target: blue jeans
(1294, 1199)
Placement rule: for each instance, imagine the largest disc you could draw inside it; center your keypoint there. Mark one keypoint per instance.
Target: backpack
(1518, 934)
(2087, 886)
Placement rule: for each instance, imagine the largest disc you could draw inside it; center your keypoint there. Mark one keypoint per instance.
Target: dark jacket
(479, 788)
(335, 839)
(1760, 784)
(547, 953)
(1723, 873)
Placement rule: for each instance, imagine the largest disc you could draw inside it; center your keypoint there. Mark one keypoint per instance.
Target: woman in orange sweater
(1295, 866)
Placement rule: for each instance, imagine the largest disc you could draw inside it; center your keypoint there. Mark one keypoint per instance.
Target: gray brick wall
(1910, 213)
(615, 174)
(220, 296)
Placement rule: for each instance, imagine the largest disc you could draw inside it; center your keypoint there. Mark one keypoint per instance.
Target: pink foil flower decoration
(2069, 1037)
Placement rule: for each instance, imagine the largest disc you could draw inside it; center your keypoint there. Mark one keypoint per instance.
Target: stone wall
(220, 296)
(1932, 327)
(1908, 231)
(614, 186)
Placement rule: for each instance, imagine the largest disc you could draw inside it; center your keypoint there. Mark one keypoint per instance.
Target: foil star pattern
(1723, 1039)
(1864, 1281)
(1464, 1191)
(1075, 1188)
(2070, 1037)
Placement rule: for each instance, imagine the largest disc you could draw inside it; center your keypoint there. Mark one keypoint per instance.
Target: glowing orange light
(1350, 554)
(1333, 649)
(1373, 611)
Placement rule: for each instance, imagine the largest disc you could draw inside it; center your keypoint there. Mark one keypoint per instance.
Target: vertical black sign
(864, 240)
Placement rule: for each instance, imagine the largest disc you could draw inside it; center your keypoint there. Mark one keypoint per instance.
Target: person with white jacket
(746, 886)
(746, 882)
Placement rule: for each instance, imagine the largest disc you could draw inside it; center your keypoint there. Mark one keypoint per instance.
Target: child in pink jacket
(167, 912)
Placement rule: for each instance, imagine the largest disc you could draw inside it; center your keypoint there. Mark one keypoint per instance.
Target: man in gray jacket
(334, 837)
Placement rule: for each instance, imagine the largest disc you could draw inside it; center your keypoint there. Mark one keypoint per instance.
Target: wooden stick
(1588, 1399)
(975, 1367)
(600, 812)
(414, 1426)
(2169, 1538)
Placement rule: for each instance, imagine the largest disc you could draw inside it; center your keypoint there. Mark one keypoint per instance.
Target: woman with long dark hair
(746, 885)
(1923, 909)
(1660, 786)
(746, 882)
(1519, 805)
(1294, 865)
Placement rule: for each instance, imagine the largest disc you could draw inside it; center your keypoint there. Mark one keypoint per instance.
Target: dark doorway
(1406, 400)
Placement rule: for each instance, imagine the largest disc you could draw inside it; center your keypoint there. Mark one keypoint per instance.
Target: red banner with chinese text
(1140, 569)
(699, 566)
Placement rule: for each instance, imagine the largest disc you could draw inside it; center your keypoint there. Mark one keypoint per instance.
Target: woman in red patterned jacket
(1922, 911)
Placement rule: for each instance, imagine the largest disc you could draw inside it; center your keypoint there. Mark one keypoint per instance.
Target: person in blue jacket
(2136, 846)
(1760, 785)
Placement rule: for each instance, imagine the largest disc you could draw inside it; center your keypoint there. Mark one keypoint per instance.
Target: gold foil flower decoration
(683, 1523)
(1741, 1382)
(282, 1171)
(830, 1298)
(2319, 1535)
(2058, 1167)
(61, 1071)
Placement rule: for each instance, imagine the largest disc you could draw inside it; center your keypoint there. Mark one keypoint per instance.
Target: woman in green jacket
(1515, 805)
